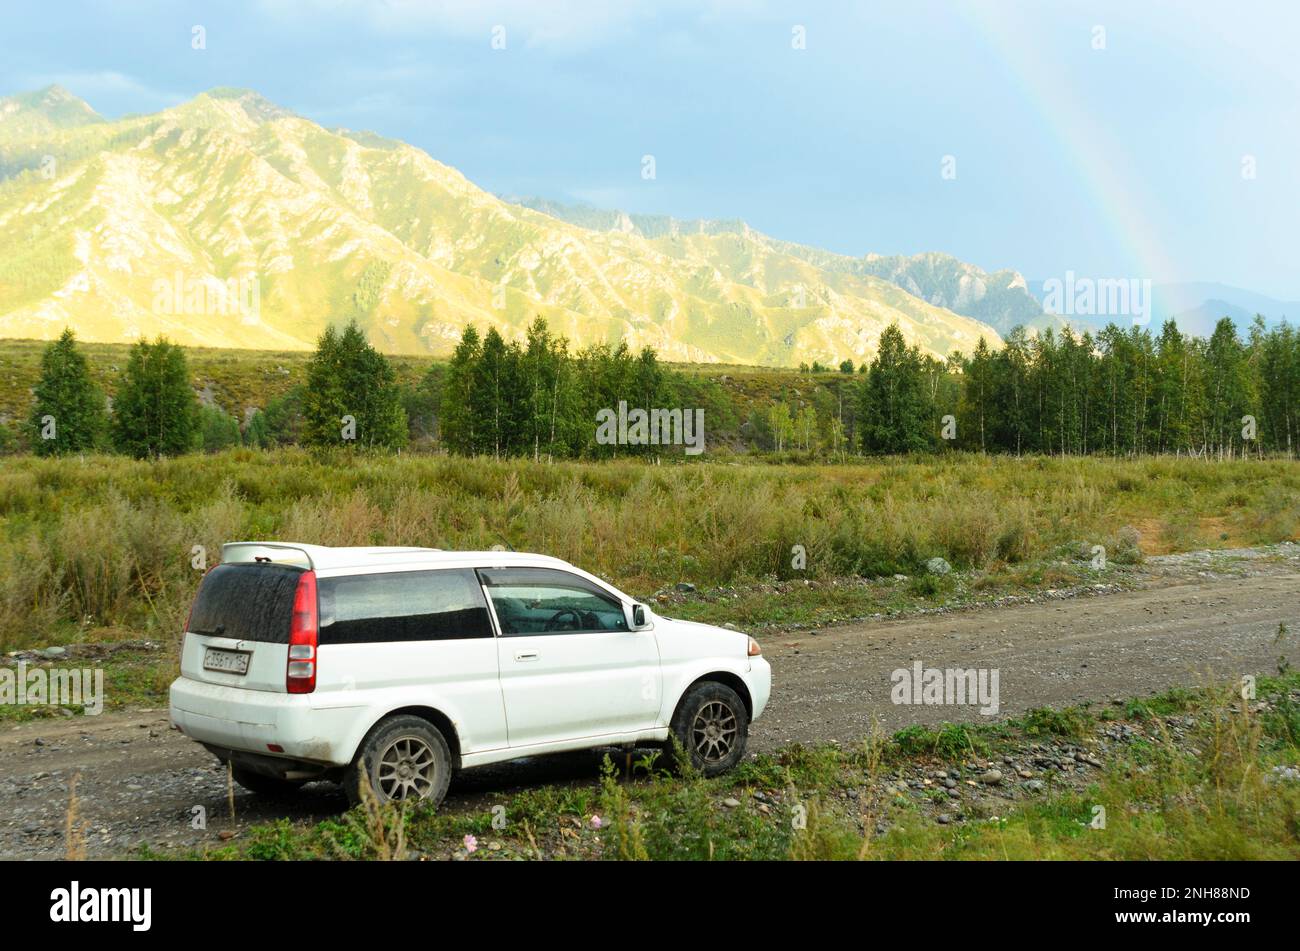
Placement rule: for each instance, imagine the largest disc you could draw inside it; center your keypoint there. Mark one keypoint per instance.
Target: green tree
(496, 399)
(978, 396)
(781, 424)
(1227, 388)
(543, 382)
(896, 412)
(1171, 399)
(282, 418)
(1014, 429)
(155, 412)
(68, 412)
(805, 428)
(458, 429)
(351, 397)
(258, 433)
(217, 429)
(1278, 372)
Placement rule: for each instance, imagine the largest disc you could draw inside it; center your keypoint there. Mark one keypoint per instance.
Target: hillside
(1002, 299)
(228, 221)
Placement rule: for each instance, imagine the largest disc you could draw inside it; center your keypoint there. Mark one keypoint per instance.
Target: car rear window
(444, 604)
(250, 602)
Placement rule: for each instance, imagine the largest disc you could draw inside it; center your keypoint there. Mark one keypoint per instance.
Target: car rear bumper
(238, 720)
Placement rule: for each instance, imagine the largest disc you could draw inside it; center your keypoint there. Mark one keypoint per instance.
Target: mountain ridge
(148, 224)
(1001, 299)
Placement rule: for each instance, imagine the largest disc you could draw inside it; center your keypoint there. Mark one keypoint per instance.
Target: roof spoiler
(266, 552)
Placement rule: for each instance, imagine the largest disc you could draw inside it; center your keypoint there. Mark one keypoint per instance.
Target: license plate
(228, 662)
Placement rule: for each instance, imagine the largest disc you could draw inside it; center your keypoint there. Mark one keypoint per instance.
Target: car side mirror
(638, 617)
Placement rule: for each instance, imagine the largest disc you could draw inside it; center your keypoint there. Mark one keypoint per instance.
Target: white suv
(302, 662)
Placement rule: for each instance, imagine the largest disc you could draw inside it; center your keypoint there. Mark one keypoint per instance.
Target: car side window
(435, 605)
(549, 601)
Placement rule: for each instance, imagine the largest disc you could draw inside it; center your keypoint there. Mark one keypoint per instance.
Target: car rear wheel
(712, 726)
(404, 758)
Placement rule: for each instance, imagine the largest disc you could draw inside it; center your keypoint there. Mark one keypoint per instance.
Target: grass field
(104, 548)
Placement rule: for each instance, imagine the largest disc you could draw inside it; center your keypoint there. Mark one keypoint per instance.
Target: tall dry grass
(104, 542)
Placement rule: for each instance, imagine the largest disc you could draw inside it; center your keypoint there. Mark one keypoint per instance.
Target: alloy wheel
(406, 769)
(713, 733)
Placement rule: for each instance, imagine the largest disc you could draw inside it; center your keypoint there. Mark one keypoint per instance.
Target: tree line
(494, 397)
(537, 399)
(1121, 391)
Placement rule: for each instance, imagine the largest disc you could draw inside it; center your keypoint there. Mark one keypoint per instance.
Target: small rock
(937, 566)
(730, 802)
(991, 778)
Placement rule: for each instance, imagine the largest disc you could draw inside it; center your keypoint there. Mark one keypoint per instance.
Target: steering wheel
(554, 623)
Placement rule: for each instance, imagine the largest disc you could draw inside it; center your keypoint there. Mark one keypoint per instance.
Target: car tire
(405, 758)
(712, 726)
(262, 785)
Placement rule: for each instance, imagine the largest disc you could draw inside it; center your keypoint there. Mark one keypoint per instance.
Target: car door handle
(527, 655)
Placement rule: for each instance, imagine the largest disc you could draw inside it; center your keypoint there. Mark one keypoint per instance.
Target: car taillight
(300, 675)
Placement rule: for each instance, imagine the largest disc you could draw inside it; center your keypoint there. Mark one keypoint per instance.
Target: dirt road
(140, 783)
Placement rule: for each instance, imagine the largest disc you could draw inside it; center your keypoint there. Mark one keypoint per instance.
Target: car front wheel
(712, 726)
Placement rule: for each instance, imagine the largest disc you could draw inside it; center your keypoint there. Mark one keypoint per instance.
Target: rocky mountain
(646, 226)
(1001, 299)
(230, 221)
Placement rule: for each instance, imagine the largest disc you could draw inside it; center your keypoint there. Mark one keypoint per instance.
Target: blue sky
(1123, 161)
